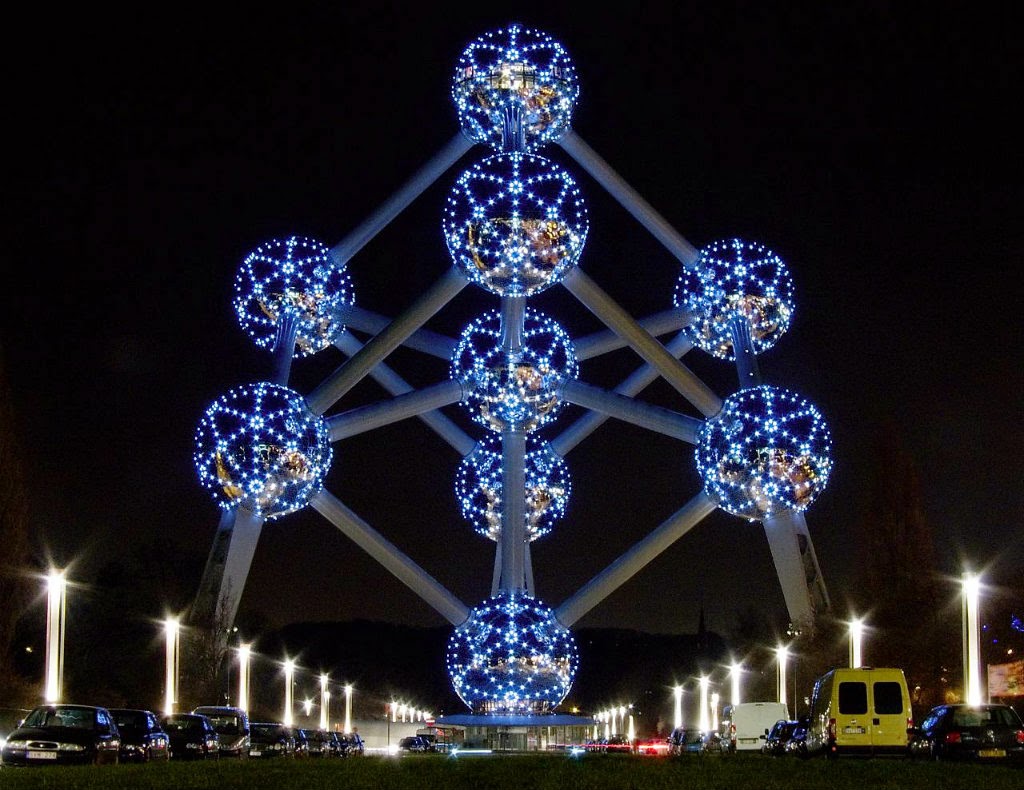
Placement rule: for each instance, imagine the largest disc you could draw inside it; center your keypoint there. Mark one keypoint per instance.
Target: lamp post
(702, 716)
(971, 639)
(856, 634)
(172, 634)
(325, 701)
(735, 671)
(714, 711)
(289, 675)
(782, 654)
(348, 708)
(244, 652)
(56, 587)
(677, 709)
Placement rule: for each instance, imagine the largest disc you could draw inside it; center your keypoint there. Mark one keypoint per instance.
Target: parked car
(619, 744)
(777, 737)
(232, 726)
(657, 747)
(981, 733)
(142, 736)
(686, 740)
(192, 735)
(270, 739)
(301, 741)
(349, 745)
(413, 743)
(63, 735)
(321, 743)
(796, 746)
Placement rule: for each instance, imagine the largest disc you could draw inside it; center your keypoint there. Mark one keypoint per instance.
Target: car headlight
(70, 747)
(17, 744)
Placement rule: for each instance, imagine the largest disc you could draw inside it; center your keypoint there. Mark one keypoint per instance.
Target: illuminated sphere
(515, 78)
(512, 656)
(261, 447)
(296, 277)
(515, 224)
(767, 451)
(478, 486)
(513, 391)
(736, 280)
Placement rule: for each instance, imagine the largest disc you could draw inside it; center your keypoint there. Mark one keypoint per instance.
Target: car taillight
(952, 737)
(831, 729)
(1019, 736)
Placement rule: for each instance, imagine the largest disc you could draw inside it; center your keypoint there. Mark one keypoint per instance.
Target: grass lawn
(527, 772)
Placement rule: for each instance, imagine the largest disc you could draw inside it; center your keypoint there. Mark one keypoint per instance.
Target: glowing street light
(244, 654)
(971, 640)
(856, 634)
(56, 586)
(714, 711)
(677, 710)
(289, 676)
(325, 701)
(702, 716)
(348, 708)
(735, 670)
(172, 632)
(782, 654)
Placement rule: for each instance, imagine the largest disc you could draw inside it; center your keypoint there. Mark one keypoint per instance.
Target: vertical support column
(284, 346)
(746, 357)
(513, 507)
(781, 532)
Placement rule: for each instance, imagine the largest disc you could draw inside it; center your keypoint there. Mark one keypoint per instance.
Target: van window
(888, 697)
(853, 698)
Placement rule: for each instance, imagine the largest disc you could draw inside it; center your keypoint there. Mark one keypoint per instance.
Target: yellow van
(862, 710)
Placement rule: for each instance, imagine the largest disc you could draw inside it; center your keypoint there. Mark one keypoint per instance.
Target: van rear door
(889, 717)
(853, 722)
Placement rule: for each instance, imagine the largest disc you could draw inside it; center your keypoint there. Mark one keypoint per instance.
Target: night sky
(870, 146)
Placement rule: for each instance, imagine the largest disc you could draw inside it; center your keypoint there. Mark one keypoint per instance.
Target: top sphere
(515, 89)
(736, 280)
(294, 278)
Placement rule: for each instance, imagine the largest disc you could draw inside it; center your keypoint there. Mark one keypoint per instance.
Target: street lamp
(734, 674)
(856, 634)
(289, 675)
(782, 653)
(702, 716)
(971, 639)
(348, 708)
(244, 652)
(677, 710)
(56, 586)
(172, 632)
(714, 712)
(325, 697)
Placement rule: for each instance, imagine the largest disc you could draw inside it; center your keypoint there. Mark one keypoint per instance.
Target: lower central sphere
(512, 656)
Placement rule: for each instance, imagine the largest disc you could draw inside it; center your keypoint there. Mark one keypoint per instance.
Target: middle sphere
(515, 224)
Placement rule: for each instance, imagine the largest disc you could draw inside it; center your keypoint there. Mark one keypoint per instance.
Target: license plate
(853, 730)
(255, 752)
(991, 753)
(32, 755)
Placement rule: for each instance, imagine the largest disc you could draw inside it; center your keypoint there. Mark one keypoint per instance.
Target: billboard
(1006, 680)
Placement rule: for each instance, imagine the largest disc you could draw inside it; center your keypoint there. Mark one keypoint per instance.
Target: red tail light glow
(952, 737)
(1019, 736)
(831, 729)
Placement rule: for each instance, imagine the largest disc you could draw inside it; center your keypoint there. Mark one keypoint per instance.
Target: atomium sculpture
(515, 225)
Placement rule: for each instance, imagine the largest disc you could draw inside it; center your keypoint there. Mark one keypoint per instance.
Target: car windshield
(982, 717)
(172, 724)
(130, 719)
(62, 716)
(226, 725)
(268, 730)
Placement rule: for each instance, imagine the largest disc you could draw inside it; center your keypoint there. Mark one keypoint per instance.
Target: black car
(777, 737)
(982, 733)
(349, 744)
(142, 737)
(321, 743)
(301, 741)
(270, 739)
(412, 743)
(193, 736)
(796, 746)
(232, 726)
(63, 735)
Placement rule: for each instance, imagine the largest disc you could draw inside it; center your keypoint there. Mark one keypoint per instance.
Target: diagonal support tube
(410, 404)
(388, 555)
(625, 326)
(605, 341)
(623, 569)
(654, 418)
(382, 344)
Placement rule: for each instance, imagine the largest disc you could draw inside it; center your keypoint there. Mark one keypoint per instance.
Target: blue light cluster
(295, 277)
(260, 446)
(515, 224)
(478, 487)
(512, 656)
(767, 451)
(513, 389)
(736, 280)
(517, 77)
